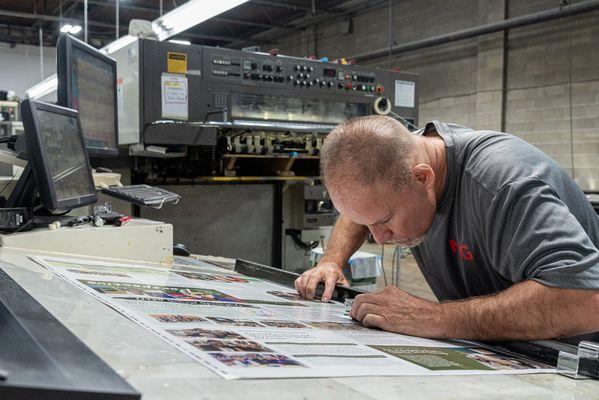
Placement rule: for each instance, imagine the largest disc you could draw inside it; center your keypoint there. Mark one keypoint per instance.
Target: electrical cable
(301, 244)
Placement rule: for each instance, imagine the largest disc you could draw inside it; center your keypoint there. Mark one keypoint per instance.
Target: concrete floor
(410, 277)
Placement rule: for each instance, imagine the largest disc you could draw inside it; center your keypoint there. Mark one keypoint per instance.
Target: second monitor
(57, 159)
(87, 83)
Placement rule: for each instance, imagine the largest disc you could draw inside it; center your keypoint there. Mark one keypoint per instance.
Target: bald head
(367, 150)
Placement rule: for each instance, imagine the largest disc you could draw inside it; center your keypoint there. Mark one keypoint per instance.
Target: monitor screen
(56, 149)
(87, 83)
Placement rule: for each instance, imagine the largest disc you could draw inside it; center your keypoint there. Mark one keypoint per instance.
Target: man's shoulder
(493, 159)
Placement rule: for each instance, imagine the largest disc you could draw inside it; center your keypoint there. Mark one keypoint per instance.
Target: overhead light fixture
(72, 29)
(185, 42)
(43, 88)
(190, 14)
(118, 44)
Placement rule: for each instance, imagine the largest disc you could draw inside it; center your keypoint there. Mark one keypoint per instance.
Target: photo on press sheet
(176, 318)
(205, 333)
(107, 270)
(338, 326)
(234, 322)
(160, 292)
(289, 295)
(255, 360)
(202, 276)
(284, 324)
(458, 358)
(228, 345)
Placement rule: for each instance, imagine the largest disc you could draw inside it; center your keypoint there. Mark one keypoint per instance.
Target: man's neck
(436, 155)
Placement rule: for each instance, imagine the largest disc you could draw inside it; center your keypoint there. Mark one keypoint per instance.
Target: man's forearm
(525, 311)
(346, 239)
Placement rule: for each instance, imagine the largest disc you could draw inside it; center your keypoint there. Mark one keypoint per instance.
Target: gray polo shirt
(509, 213)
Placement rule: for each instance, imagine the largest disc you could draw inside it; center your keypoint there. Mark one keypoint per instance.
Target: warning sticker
(176, 63)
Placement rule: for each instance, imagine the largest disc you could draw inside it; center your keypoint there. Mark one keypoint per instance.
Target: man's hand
(328, 272)
(394, 310)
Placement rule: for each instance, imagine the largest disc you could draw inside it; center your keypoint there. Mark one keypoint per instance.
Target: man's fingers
(367, 308)
(329, 287)
(313, 281)
(374, 321)
(365, 298)
(301, 284)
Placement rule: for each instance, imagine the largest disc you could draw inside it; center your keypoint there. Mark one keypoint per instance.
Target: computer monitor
(87, 83)
(57, 156)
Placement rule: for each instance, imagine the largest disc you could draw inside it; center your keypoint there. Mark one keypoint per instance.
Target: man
(504, 237)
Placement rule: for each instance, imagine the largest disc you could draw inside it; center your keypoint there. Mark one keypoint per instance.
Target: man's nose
(381, 235)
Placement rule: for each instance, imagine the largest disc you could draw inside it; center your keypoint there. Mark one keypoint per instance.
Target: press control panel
(283, 71)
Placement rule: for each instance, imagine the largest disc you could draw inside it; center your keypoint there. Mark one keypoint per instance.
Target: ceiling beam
(248, 23)
(288, 6)
(44, 17)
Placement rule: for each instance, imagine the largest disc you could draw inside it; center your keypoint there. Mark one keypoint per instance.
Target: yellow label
(176, 63)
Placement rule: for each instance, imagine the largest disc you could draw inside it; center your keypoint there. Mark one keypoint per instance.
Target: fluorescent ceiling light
(185, 42)
(118, 44)
(43, 88)
(190, 14)
(72, 29)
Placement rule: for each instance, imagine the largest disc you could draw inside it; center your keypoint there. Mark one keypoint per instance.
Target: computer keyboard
(143, 195)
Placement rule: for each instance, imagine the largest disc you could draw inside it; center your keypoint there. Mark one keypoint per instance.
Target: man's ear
(424, 174)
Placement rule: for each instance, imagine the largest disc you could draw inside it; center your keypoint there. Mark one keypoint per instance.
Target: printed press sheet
(242, 327)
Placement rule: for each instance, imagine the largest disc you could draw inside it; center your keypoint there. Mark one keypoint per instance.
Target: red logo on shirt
(461, 250)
